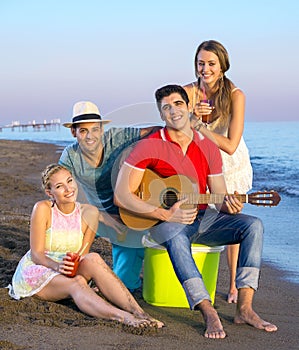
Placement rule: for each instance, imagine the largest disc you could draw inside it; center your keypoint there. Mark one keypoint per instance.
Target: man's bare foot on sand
(214, 329)
(251, 318)
(232, 297)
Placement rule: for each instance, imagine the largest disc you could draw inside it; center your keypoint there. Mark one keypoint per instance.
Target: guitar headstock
(264, 198)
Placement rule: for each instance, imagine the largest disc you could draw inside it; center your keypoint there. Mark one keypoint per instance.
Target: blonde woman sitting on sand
(61, 225)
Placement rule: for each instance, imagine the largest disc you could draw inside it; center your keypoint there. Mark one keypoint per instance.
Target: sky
(117, 53)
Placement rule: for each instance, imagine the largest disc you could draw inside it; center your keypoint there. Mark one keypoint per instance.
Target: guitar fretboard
(198, 198)
(209, 198)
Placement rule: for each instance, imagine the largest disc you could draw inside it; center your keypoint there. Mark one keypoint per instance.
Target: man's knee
(258, 225)
(256, 228)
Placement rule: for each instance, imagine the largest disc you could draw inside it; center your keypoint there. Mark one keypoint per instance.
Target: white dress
(63, 236)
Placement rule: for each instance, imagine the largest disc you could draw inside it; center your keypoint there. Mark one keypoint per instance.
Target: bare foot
(214, 329)
(251, 318)
(232, 297)
(153, 321)
(131, 320)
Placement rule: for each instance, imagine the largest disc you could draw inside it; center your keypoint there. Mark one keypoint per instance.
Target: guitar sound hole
(169, 198)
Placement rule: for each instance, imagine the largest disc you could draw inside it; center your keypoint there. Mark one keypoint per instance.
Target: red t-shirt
(165, 157)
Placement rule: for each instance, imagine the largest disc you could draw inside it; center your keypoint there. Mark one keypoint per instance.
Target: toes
(138, 323)
(215, 335)
(160, 324)
(143, 323)
(152, 321)
(269, 327)
(156, 323)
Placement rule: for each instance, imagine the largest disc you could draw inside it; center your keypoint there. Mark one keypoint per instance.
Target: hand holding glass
(75, 258)
(206, 118)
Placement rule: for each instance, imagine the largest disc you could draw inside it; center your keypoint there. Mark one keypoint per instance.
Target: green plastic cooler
(160, 284)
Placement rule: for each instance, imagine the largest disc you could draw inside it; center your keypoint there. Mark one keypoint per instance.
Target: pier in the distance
(52, 125)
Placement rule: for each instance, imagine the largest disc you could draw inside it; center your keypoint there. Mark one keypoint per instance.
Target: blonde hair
(50, 170)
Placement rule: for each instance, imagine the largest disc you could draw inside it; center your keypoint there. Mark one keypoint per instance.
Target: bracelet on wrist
(199, 125)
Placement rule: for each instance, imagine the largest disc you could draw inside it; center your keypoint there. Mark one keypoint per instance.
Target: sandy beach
(35, 324)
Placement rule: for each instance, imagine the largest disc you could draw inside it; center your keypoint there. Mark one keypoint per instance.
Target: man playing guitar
(177, 149)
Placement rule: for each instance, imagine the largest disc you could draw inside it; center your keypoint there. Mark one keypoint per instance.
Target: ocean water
(274, 153)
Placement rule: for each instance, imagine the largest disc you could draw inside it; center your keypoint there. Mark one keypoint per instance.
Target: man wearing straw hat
(94, 161)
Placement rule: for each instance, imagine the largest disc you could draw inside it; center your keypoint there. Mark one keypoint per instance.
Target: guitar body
(160, 192)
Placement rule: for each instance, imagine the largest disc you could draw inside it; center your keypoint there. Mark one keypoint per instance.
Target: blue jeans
(212, 228)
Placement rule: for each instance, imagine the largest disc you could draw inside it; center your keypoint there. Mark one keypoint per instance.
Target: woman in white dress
(61, 225)
(225, 126)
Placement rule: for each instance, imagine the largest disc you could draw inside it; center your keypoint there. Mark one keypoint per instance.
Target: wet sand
(35, 324)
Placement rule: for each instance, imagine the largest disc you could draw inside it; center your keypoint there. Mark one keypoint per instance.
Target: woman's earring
(52, 199)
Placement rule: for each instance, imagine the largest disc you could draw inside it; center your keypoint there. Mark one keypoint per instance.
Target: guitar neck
(209, 198)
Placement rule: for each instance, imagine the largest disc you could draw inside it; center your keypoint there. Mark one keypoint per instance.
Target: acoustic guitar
(164, 192)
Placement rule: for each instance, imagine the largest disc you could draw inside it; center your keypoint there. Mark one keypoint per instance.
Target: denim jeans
(212, 228)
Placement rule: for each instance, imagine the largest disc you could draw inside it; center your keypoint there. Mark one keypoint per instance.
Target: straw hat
(85, 112)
